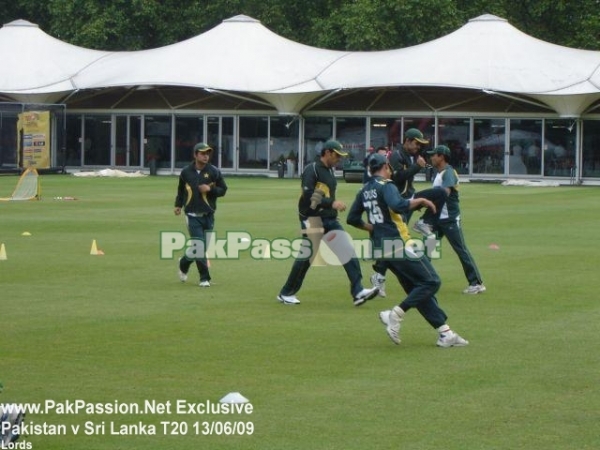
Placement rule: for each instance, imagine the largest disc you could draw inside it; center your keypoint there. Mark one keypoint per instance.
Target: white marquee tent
(242, 56)
(37, 68)
(239, 55)
(485, 54)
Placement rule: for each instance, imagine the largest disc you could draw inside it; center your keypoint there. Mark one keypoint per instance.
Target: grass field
(321, 375)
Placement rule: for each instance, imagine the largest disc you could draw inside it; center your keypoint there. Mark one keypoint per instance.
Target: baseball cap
(413, 133)
(335, 146)
(439, 150)
(202, 147)
(376, 162)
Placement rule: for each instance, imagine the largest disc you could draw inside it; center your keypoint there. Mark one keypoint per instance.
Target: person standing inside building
(447, 221)
(200, 184)
(383, 205)
(318, 209)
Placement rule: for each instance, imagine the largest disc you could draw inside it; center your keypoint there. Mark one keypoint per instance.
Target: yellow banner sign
(34, 131)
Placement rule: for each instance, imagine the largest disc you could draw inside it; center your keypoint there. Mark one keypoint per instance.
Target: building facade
(532, 115)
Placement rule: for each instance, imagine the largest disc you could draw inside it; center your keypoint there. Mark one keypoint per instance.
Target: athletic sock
(443, 329)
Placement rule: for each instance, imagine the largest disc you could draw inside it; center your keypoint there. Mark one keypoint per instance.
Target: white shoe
(393, 326)
(182, 275)
(474, 289)
(288, 299)
(424, 228)
(451, 339)
(378, 280)
(384, 316)
(364, 295)
(205, 283)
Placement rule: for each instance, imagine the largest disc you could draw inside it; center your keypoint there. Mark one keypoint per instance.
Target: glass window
(157, 145)
(128, 131)
(454, 133)
(188, 132)
(226, 150)
(135, 141)
(559, 147)
(8, 138)
(352, 133)
(73, 141)
(220, 136)
(591, 148)
(385, 132)
(283, 140)
(121, 129)
(317, 130)
(96, 140)
(254, 146)
(58, 133)
(488, 146)
(524, 154)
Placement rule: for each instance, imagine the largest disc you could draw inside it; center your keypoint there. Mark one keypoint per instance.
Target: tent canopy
(487, 54)
(37, 68)
(240, 56)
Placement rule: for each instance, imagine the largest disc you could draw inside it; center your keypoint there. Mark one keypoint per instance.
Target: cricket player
(318, 209)
(406, 162)
(200, 184)
(383, 205)
(447, 221)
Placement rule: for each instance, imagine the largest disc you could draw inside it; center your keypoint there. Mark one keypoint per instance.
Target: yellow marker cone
(26, 233)
(3, 256)
(94, 250)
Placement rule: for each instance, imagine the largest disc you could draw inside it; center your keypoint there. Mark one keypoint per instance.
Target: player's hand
(421, 161)
(204, 187)
(177, 211)
(339, 206)
(315, 198)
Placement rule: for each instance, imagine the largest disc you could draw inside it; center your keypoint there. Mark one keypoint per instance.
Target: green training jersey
(448, 178)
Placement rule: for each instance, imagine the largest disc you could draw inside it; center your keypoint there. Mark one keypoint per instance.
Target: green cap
(439, 150)
(335, 146)
(376, 161)
(413, 133)
(202, 147)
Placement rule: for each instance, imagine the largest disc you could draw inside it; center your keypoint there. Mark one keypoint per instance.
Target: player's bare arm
(416, 203)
